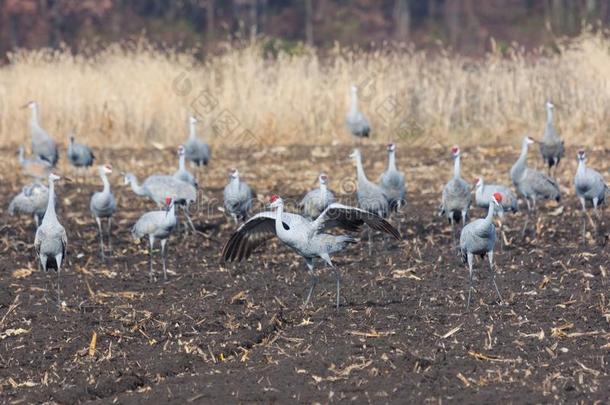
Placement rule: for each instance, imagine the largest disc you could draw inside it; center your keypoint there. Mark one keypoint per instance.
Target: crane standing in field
(370, 196)
(51, 241)
(157, 225)
(509, 203)
(182, 173)
(79, 155)
(32, 200)
(456, 197)
(157, 186)
(392, 182)
(43, 145)
(355, 121)
(532, 184)
(103, 205)
(590, 186)
(34, 167)
(237, 197)
(316, 200)
(306, 237)
(196, 150)
(551, 146)
(479, 238)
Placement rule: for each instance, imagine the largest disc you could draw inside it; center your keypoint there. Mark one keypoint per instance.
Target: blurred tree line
(464, 25)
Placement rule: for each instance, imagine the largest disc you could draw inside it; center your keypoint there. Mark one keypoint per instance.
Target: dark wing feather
(256, 231)
(351, 219)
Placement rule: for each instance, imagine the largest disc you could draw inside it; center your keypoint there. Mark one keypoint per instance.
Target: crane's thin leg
(370, 240)
(188, 219)
(101, 232)
(314, 279)
(152, 243)
(452, 230)
(163, 243)
(527, 217)
(58, 262)
(470, 257)
(584, 219)
(110, 235)
(490, 256)
(43, 265)
(36, 220)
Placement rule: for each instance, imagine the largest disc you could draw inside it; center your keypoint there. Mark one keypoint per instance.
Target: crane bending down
(355, 121)
(237, 197)
(182, 173)
(51, 241)
(392, 182)
(79, 155)
(551, 146)
(43, 145)
(316, 200)
(306, 237)
(32, 200)
(590, 186)
(456, 197)
(103, 205)
(158, 187)
(157, 225)
(196, 150)
(532, 184)
(479, 238)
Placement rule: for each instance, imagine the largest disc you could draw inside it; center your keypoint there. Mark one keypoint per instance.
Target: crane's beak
(67, 179)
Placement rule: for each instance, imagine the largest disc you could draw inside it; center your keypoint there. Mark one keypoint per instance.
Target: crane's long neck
(106, 183)
(192, 130)
(34, 120)
(50, 212)
(279, 225)
(360, 170)
(171, 213)
(354, 103)
(234, 183)
(392, 160)
(136, 187)
(490, 213)
(549, 116)
(181, 162)
(456, 167)
(520, 165)
(582, 167)
(21, 156)
(323, 189)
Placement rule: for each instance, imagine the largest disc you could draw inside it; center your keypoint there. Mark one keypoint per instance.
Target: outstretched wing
(351, 219)
(253, 233)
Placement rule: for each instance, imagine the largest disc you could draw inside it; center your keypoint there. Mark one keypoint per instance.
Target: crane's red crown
(168, 200)
(455, 150)
(581, 151)
(498, 197)
(274, 198)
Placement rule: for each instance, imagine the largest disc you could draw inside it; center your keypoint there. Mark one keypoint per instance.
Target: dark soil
(219, 333)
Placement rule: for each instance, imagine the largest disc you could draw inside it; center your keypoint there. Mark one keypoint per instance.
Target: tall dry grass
(131, 96)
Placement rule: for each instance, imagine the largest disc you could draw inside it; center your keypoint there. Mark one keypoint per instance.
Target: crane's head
(528, 140)
(581, 155)
(128, 178)
(496, 198)
(193, 120)
(107, 169)
(323, 178)
(54, 176)
(478, 182)
(354, 89)
(168, 201)
(550, 106)
(181, 150)
(391, 147)
(275, 201)
(31, 104)
(355, 154)
(234, 173)
(455, 151)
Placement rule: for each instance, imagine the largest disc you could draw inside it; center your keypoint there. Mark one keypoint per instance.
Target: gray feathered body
(370, 196)
(159, 187)
(43, 145)
(316, 201)
(478, 237)
(197, 151)
(51, 240)
(532, 184)
(589, 184)
(159, 224)
(392, 182)
(32, 200)
(80, 155)
(237, 199)
(357, 124)
(103, 204)
(456, 199)
(551, 146)
(509, 199)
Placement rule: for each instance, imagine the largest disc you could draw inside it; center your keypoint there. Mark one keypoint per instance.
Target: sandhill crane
(532, 184)
(32, 200)
(479, 238)
(590, 186)
(79, 155)
(316, 200)
(103, 205)
(551, 146)
(51, 241)
(157, 225)
(237, 197)
(306, 237)
(456, 197)
(196, 150)
(157, 186)
(34, 167)
(43, 145)
(355, 121)
(182, 173)
(509, 203)
(392, 181)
